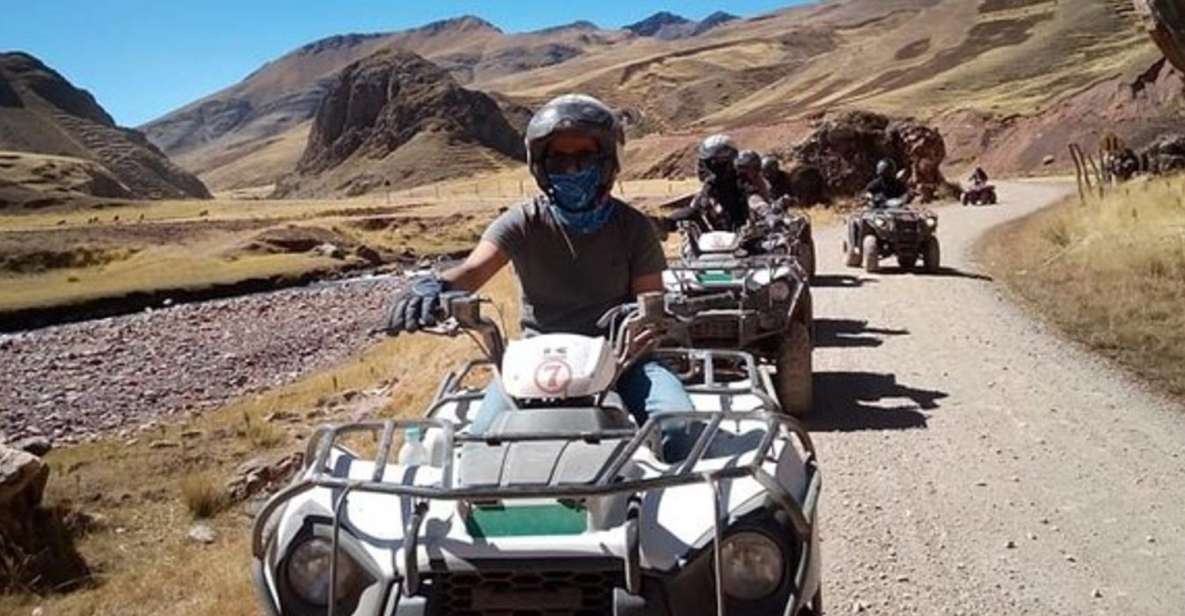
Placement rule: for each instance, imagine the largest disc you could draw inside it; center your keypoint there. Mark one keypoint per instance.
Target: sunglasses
(572, 163)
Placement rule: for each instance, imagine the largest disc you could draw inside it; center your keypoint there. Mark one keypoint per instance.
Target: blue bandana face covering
(574, 200)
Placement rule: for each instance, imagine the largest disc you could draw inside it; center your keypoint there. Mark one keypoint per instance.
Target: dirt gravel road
(974, 462)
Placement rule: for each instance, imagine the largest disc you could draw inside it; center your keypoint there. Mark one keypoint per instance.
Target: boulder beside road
(22, 484)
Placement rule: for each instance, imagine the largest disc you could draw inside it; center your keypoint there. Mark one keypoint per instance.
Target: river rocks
(80, 379)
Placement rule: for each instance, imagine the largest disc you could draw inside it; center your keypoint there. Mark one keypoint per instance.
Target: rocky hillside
(254, 132)
(669, 26)
(60, 143)
(394, 118)
(995, 68)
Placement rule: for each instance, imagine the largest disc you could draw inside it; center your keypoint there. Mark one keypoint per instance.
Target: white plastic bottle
(413, 452)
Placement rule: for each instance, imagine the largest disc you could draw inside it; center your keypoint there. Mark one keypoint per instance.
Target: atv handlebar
(634, 329)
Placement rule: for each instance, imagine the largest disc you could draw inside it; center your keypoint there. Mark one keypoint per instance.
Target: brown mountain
(395, 118)
(254, 132)
(59, 140)
(986, 71)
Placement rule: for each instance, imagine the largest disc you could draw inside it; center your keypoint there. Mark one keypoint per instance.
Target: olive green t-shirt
(569, 280)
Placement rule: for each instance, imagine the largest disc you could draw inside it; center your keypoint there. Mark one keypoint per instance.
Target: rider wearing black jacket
(721, 205)
(886, 186)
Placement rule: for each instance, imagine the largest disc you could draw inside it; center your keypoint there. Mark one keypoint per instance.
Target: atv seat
(572, 420)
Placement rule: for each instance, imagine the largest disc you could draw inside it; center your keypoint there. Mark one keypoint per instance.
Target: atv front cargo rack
(607, 482)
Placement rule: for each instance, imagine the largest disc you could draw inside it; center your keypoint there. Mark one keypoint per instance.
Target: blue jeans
(648, 389)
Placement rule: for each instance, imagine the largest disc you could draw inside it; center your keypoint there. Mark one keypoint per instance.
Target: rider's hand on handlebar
(418, 306)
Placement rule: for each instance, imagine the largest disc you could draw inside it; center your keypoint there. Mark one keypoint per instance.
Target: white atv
(563, 506)
(749, 294)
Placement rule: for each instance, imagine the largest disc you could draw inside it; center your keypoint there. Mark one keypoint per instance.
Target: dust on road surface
(974, 462)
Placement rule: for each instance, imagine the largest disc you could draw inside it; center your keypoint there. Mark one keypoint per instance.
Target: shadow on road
(943, 272)
(851, 333)
(951, 272)
(840, 281)
(845, 402)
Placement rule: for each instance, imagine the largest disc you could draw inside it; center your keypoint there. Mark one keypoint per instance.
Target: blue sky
(143, 58)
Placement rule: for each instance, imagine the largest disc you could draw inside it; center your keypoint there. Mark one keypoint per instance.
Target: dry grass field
(1109, 273)
(65, 256)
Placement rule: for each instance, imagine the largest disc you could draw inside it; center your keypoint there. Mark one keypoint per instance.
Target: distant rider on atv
(577, 251)
(978, 178)
(887, 187)
(778, 180)
(884, 191)
(749, 175)
(721, 204)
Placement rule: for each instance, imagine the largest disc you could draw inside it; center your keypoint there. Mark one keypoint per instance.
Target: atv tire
(807, 260)
(794, 381)
(965, 199)
(851, 257)
(991, 199)
(933, 255)
(871, 253)
(907, 261)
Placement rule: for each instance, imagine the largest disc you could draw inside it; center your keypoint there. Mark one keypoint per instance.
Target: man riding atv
(750, 177)
(889, 227)
(721, 204)
(980, 192)
(577, 251)
(778, 180)
(887, 189)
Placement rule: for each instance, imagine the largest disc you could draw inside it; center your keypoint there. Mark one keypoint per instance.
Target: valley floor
(974, 461)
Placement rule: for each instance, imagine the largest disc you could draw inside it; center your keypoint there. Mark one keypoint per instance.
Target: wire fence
(525, 188)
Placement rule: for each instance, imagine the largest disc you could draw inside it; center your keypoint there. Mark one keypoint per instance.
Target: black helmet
(717, 154)
(576, 112)
(749, 160)
(886, 167)
(770, 165)
(718, 147)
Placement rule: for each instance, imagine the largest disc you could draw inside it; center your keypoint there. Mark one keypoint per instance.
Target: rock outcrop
(36, 547)
(394, 119)
(42, 113)
(22, 482)
(1165, 155)
(844, 151)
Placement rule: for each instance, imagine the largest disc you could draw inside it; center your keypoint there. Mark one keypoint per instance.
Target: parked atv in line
(886, 228)
(788, 231)
(762, 301)
(981, 194)
(565, 505)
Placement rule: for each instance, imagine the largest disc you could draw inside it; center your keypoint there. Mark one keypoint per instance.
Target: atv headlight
(779, 291)
(753, 566)
(931, 222)
(308, 572)
(880, 222)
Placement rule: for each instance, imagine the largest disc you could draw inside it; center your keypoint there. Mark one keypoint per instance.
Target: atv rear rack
(607, 482)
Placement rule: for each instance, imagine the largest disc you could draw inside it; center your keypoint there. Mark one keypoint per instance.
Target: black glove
(416, 306)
